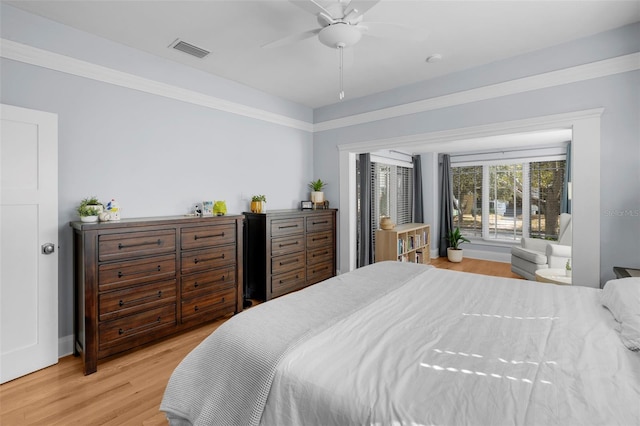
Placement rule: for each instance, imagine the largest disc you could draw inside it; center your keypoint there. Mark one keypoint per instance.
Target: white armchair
(534, 253)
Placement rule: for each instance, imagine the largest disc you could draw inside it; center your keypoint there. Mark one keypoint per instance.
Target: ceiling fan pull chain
(341, 48)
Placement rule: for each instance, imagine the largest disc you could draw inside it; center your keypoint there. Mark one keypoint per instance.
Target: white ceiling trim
(603, 68)
(57, 62)
(43, 58)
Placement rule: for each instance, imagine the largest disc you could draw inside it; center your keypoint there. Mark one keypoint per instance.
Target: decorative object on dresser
(287, 250)
(220, 208)
(138, 280)
(90, 209)
(258, 204)
(317, 196)
(410, 242)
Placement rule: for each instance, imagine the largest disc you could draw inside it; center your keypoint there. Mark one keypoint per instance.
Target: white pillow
(622, 298)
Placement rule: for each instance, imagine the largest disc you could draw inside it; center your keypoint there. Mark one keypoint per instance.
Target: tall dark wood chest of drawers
(138, 280)
(287, 250)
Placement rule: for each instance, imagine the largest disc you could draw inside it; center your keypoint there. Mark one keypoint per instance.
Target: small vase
(386, 223)
(317, 196)
(568, 272)
(257, 207)
(88, 219)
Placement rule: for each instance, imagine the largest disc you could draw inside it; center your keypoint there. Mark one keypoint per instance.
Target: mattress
(441, 347)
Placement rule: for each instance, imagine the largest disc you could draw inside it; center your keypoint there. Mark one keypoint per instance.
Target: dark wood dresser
(287, 250)
(138, 280)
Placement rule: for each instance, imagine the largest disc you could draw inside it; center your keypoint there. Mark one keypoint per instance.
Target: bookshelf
(410, 242)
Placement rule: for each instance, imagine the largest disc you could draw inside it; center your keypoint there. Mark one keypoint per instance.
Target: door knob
(48, 248)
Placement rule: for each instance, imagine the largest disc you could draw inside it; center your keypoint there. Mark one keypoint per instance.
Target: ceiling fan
(341, 25)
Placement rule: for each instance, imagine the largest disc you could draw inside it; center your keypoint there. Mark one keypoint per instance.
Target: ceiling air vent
(189, 48)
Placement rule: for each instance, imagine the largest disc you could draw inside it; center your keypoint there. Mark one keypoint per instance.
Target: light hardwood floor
(127, 389)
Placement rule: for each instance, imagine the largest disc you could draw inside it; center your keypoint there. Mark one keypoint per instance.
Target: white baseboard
(481, 255)
(65, 346)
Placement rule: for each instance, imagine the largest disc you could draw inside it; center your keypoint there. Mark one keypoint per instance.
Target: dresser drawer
(320, 239)
(319, 272)
(135, 244)
(219, 301)
(281, 227)
(321, 222)
(139, 271)
(321, 255)
(285, 283)
(129, 328)
(208, 281)
(201, 260)
(287, 263)
(207, 236)
(286, 245)
(115, 304)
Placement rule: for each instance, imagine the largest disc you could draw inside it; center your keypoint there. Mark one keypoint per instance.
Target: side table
(553, 276)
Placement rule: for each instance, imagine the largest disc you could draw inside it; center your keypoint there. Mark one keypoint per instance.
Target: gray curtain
(565, 202)
(446, 205)
(418, 205)
(365, 246)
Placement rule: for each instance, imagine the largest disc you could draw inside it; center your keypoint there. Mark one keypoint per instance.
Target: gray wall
(157, 156)
(618, 94)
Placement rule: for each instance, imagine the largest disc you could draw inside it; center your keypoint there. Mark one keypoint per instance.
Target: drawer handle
(195, 308)
(289, 262)
(289, 244)
(206, 259)
(153, 296)
(122, 274)
(148, 243)
(122, 331)
(195, 285)
(202, 237)
(320, 223)
(321, 238)
(321, 269)
(320, 254)
(287, 226)
(297, 277)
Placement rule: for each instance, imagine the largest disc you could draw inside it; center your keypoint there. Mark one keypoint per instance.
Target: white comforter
(449, 348)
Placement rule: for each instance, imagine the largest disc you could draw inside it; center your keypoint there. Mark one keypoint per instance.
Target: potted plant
(258, 203)
(317, 196)
(89, 209)
(454, 252)
(567, 268)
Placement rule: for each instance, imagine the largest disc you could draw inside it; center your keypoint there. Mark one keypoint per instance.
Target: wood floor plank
(128, 389)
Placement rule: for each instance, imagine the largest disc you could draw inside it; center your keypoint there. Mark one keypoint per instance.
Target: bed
(399, 343)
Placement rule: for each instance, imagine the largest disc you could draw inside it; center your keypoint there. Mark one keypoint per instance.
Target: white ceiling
(465, 33)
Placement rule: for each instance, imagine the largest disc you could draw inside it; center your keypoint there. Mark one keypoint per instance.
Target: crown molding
(43, 58)
(54, 61)
(603, 68)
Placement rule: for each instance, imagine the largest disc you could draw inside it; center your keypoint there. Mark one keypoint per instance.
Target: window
(391, 192)
(504, 201)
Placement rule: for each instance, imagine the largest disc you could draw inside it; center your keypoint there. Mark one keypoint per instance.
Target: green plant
(456, 238)
(259, 198)
(87, 206)
(568, 265)
(317, 185)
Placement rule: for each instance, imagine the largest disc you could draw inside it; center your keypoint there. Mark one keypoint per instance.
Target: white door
(28, 230)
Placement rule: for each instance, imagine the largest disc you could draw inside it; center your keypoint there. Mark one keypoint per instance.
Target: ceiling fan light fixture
(339, 33)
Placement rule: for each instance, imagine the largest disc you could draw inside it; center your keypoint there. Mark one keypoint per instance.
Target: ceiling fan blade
(390, 30)
(356, 8)
(291, 39)
(311, 6)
